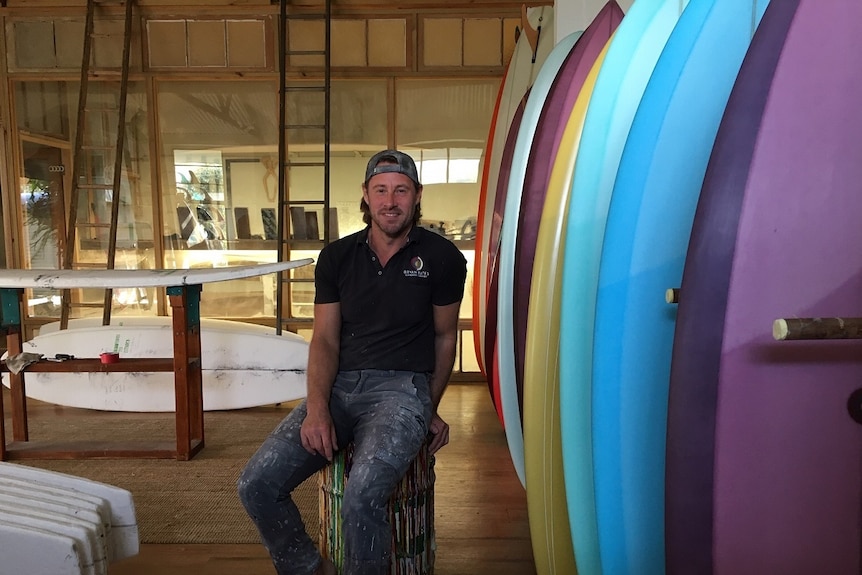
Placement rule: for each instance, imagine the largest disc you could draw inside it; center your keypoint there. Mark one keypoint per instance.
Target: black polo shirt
(387, 319)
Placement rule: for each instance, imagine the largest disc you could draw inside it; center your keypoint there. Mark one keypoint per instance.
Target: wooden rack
(186, 365)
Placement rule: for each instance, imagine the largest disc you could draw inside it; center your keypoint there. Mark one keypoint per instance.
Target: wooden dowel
(817, 328)
(672, 295)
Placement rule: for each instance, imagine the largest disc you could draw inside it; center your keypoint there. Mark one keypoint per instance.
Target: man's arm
(445, 341)
(318, 431)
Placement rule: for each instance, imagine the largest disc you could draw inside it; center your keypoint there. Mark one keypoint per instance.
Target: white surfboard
(85, 539)
(28, 549)
(243, 365)
(124, 524)
(56, 499)
(70, 279)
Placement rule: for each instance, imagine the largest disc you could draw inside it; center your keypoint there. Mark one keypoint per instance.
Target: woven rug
(177, 501)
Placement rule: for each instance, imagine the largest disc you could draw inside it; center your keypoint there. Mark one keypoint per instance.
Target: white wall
(573, 15)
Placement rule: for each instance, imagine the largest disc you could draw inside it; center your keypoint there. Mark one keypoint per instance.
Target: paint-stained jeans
(386, 414)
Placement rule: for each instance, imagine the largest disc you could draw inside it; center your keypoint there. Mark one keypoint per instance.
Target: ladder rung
(90, 225)
(305, 52)
(106, 187)
(307, 16)
(305, 164)
(87, 305)
(305, 88)
(104, 72)
(94, 147)
(305, 126)
(305, 202)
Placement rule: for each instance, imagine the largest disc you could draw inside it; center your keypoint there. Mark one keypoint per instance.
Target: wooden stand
(186, 365)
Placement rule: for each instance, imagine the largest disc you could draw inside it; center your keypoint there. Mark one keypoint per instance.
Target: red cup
(109, 357)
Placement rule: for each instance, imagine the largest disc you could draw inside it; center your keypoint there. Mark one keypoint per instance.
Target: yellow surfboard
(543, 457)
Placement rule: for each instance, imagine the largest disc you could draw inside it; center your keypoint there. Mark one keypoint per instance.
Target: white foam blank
(85, 538)
(124, 525)
(28, 549)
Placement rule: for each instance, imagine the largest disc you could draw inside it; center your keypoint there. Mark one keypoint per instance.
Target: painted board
(520, 75)
(70, 279)
(480, 291)
(490, 331)
(771, 239)
(241, 366)
(511, 382)
(630, 60)
(649, 223)
(546, 491)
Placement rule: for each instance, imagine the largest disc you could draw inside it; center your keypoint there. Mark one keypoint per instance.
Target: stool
(411, 514)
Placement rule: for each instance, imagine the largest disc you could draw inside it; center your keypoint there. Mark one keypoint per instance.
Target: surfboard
(480, 292)
(63, 279)
(546, 498)
(631, 57)
(649, 222)
(511, 381)
(29, 549)
(692, 400)
(124, 527)
(520, 75)
(490, 336)
(242, 365)
(770, 240)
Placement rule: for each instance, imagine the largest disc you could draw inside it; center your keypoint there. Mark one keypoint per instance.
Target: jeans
(386, 415)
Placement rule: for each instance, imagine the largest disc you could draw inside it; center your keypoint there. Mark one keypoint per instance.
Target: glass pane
(47, 111)
(443, 125)
(219, 182)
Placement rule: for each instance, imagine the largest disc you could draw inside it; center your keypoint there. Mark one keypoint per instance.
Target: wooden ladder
(83, 165)
(307, 122)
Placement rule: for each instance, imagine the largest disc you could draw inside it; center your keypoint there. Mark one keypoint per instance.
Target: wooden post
(2, 421)
(817, 328)
(10, 300)
(188, 384)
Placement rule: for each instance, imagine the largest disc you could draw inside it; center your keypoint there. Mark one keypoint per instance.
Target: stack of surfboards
(60, 524)
(705, 146)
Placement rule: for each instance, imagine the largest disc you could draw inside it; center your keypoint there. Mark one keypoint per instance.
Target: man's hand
(318, 433)
(439, 430)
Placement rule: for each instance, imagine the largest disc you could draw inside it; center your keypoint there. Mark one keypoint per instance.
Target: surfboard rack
(817, 328)
(186, 365)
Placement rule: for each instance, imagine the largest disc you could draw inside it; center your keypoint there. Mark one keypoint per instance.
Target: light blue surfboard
(509, 394)
(649, 222)
(630, 60)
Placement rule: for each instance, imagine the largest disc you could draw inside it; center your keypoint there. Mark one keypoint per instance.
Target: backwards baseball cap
(392, 161)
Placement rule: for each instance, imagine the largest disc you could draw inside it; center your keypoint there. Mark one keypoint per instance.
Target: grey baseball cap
(392, 161)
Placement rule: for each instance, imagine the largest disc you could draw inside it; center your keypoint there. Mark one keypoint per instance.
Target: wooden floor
(481, 509)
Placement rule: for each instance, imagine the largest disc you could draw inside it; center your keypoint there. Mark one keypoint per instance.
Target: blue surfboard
(649, 222)
(509, 390)
(631, 57)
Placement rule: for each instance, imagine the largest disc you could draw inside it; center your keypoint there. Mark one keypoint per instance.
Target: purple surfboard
(549, 131)
(763, 460)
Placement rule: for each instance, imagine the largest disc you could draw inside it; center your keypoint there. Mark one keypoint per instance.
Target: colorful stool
(411, 514)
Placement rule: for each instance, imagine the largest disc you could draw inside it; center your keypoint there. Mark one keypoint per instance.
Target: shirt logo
(416, 269)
